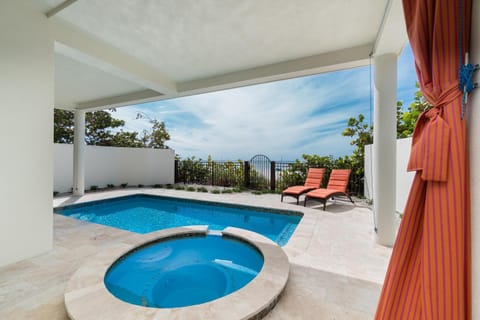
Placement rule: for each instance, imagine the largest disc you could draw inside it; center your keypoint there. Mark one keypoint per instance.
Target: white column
(473, 116)
(26, 135)
(79, 154)
(384, 147)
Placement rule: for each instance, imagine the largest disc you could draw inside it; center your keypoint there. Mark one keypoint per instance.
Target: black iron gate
(261, 172)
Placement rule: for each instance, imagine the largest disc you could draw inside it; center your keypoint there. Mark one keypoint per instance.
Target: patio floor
(336, 266)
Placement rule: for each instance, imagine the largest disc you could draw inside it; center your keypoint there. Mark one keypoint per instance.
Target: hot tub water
(184, 271)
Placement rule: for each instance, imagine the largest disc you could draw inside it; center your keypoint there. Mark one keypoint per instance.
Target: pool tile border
(86, 296)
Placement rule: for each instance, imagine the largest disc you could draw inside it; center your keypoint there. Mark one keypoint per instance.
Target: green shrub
(190, 189)
(110, 186)
(179, 187)
(158, 186)
(202, 189)
(124, 185)
(140, 185)
(169, 186)
(227, 191)
(93, 188)
(55, 193)
(216, 191)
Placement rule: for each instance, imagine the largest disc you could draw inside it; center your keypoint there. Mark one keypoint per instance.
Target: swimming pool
(148, 213)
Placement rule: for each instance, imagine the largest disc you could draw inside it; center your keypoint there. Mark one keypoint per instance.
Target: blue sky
(282, 119)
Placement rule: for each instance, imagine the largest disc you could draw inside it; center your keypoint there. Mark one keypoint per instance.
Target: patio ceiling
(118, 52)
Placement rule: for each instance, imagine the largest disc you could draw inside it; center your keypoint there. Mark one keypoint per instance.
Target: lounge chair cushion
(323, 193)
(297, 190)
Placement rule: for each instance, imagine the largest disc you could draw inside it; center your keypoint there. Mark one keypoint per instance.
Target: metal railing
(242, 174)
(215, 173)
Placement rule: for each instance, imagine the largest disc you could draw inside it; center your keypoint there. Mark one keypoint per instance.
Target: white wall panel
(112, 165)
(404, 178)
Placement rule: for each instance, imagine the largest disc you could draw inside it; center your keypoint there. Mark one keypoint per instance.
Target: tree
(409, 118)
(361, 134)
(63, 125)
(158, 136)
(126, 139)
(102, 129)
(98, 127)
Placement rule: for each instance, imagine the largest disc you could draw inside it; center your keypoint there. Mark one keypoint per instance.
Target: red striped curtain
(429, 275)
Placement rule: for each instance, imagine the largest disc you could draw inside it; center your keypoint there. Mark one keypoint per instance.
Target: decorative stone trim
(86, 296)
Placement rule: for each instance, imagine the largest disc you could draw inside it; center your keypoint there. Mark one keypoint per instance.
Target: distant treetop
(99, 131)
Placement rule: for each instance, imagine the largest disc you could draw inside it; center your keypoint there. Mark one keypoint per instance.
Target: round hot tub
(185, 271)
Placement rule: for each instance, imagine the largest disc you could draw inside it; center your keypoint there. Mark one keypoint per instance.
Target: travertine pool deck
(336, 268)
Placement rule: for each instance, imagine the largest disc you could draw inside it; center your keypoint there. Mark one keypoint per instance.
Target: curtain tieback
(431, 140)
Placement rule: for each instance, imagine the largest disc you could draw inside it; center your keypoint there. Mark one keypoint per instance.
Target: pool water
(146, 213)
(184, 271)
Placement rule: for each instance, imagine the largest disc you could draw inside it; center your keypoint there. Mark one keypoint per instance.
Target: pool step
(230, 265)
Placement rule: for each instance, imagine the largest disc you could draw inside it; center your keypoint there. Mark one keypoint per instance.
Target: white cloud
(282, 119)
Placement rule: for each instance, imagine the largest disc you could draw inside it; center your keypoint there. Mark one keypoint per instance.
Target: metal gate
(260, 172)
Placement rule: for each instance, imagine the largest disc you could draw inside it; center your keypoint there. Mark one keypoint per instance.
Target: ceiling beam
(327, 62)
(78, 45)
(120, 100)
(60, 7)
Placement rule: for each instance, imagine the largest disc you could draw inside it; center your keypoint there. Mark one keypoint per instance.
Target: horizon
(282, 120)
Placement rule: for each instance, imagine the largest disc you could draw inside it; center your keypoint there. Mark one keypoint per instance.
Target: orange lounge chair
(313, 181)
(337, 186)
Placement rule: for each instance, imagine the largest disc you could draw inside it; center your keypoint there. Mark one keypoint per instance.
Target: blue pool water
(145, 213)
(183, 271)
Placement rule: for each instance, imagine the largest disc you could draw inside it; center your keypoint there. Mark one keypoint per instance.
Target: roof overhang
(113, 53)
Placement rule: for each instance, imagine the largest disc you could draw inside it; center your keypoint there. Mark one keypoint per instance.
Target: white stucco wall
(26, 91)
(111, 165)
(474, 146)
(404, 178)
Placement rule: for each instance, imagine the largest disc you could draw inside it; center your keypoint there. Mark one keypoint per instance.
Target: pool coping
(86, 296)
(139, 195)
(57, 209)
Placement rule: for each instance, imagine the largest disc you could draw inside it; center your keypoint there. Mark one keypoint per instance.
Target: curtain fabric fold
(429, 275)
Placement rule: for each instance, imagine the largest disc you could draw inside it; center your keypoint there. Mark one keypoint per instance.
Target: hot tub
(179, 272)
(183, 273)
